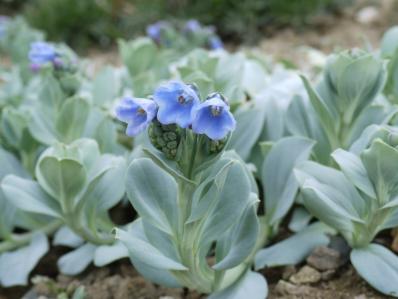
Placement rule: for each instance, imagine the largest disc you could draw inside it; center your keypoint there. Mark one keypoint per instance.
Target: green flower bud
(216, 146)
(165, 138)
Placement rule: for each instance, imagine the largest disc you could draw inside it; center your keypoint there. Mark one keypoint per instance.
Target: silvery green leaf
(89, 153)
(153, 193)
(107, 188)
(205, 193)
(359, 83)
(389, 43)
(370, 115)
(301, 120)
(353, 168)
(50, 95)
(336, 191)
(71, 119)
(251, 285)
(392, 220)
(325, 116)
(77, 260)
(15, 266)
(28, 196)
(140, 249)
(107, 254)
(294, 249)
(237, 245)
(369, 134)
(274, 128)
(249, 120)
(138, 55)
(254, 77)
(158, 238)
(156, 275)
(63, 179)
(277, 175)
(66, 237)
(300, 219)
(106, 136)
(379, 161)
(105, 86)
(168, 165)
(230, 200)
(378, 266)
(9, 165)
(42, 128)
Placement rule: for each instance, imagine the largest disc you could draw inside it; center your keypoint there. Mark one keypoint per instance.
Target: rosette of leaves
(265, 115)
(211, 71)
(77, 185)
(359, 200)
(183, 37)
(55, 116)
(345, 102)
(146, 64)
(20, 252)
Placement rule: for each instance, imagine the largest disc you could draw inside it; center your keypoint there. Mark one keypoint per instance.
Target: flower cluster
(178, 103)
(165, 33)
(42, 53)
(154, 31)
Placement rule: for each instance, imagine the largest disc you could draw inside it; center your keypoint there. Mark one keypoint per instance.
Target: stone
(328, 274)
(288, 272)
(306, 275)
(324, 258)
(368, 15)
(362, 296)
(285, 288)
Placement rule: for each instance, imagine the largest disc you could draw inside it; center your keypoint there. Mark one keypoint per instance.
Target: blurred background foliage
(83, 22)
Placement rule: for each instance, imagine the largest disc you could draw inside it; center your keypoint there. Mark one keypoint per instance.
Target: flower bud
(165, 138)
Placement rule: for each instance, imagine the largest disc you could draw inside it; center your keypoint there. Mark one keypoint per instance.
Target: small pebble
(286, 288)
(324, 258)
(306, 275)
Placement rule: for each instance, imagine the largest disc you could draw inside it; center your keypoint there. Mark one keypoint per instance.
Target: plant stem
(19, 240)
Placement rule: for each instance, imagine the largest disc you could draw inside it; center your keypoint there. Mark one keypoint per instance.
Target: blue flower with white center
(213, 118)
(192, 26)
(137, 113)
(41, 53)
(176, 101)
(215, 43)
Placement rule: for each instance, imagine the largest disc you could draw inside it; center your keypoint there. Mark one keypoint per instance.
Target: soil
(121, 281)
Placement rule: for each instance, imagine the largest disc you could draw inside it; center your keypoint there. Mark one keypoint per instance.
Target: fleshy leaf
(378, 266)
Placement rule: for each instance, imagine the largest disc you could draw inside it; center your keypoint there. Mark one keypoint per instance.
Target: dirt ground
(120, 281)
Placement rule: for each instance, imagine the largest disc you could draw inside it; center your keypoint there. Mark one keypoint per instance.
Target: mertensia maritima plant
(197, 203)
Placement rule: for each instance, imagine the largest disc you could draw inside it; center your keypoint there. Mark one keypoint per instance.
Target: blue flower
(137, 113)
(213, 118)
(41, 53)
(215, 43)
(176, 101)
(192, 26)
(154, 31)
